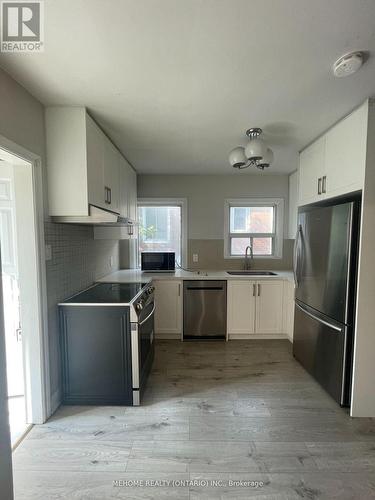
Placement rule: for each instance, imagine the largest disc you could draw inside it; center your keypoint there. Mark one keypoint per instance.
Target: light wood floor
(237, 411)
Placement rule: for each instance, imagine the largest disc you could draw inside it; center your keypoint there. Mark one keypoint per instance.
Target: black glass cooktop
(108, 293)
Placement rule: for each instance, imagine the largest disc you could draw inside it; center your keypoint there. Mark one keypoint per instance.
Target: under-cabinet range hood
(97, 217)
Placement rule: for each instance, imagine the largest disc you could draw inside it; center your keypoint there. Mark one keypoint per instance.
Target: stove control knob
(150, 290)
(139, 306)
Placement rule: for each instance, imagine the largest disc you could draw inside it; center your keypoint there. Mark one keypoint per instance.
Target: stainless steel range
(142, 339)
(107, 343)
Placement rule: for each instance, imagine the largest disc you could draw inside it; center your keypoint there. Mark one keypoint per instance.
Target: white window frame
(171, 202)
(277, 203)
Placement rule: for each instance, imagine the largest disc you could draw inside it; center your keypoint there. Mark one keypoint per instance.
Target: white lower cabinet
(241, 307)
(269, 307)
(168, 312)
(288, 309)
(255, 308)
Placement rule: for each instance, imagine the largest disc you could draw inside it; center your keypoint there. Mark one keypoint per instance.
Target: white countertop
(134, 275)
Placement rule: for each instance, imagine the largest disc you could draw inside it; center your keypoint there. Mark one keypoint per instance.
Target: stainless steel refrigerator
(325, 271)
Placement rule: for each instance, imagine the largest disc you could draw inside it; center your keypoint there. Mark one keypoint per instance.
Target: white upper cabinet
(311, 171)
(67, 162)
(111, 175)
(128, 190)
(132, 195)
(335, 163)
(84, 167)
(95, 153)
(346, 153)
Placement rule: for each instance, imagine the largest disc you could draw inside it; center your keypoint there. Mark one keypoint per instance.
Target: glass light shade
(266, 159)
(255, 149)
(237, 157)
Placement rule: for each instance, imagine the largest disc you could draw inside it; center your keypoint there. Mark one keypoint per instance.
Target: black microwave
(158, 262)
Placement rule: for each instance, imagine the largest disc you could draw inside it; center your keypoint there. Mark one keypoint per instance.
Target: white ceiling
(175, 83)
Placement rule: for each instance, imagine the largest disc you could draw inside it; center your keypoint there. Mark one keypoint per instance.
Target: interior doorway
(20, 273)
(11, 298)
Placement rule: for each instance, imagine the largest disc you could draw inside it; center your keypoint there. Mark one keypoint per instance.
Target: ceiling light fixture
(348, 64)
(255, 154)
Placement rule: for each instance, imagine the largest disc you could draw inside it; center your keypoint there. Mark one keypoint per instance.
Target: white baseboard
(231, 336)
(168, 336)
(258, 336)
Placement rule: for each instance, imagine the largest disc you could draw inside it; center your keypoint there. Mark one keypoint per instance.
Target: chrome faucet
(249, 248)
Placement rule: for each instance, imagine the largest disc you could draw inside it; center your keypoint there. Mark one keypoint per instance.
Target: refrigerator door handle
(295, 254)
(326, 323)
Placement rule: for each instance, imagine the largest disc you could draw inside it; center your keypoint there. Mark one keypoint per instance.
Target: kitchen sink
(251, 273)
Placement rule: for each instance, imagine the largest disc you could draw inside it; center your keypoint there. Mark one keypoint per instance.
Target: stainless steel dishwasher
(205, 309)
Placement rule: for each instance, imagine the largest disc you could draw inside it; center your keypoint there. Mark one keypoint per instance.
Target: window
(256, 223)
(162, 227)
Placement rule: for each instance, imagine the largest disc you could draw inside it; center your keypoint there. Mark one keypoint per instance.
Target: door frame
(37, 359)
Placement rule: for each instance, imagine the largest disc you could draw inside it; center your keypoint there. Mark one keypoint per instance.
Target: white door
(241, 307)
(346, 153)
(311, 169)
(168, 313)
(269, 307)
(13, 337)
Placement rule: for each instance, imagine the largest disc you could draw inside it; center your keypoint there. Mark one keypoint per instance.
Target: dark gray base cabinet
(96, 355)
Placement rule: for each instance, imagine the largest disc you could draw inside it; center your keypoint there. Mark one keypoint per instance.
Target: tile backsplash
(77, 261)
(211, 256)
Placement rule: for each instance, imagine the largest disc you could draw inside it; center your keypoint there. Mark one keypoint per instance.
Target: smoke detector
(348, 64)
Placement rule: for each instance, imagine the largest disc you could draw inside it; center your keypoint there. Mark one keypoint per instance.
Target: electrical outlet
(195, 258)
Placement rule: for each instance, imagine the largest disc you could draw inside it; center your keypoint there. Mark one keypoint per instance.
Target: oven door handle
(148, 317)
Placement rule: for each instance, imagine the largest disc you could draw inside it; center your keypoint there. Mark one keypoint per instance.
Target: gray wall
(78, 259)
(22, 120)
(205, 195)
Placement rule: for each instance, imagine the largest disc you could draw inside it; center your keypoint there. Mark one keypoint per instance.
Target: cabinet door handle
(258, 289)
(106, 195)
(320, 185)
(109, 195)
(254, 289)
(179, 289)
(324, 184)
